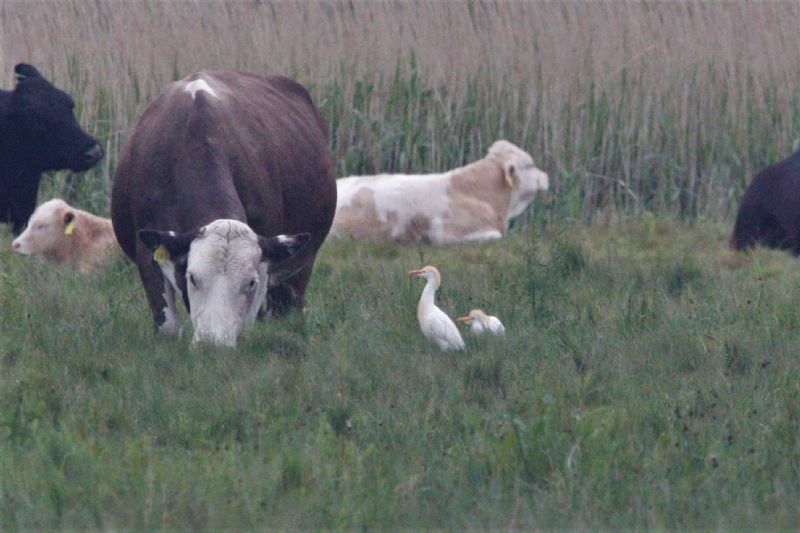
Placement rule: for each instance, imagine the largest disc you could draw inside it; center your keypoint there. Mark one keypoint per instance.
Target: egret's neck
(426, 300)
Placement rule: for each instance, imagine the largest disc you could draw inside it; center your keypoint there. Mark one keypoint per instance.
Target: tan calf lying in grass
(470, 203)
(60, 233)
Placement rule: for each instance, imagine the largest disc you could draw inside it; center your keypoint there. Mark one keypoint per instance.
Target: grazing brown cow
(770, 210)
(59, 233)
(217, 166)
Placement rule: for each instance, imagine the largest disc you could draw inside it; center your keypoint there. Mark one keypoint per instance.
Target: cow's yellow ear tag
(510, 180)
(161, 254)
(69, 228)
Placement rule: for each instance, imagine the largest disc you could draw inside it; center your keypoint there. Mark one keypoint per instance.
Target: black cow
(38, 132)
(220, 167)
(770, 210)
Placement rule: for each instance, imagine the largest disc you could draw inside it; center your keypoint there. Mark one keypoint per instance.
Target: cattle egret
(481, 323)
(435, 324)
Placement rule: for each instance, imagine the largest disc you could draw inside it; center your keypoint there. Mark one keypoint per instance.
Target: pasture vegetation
(649, 378)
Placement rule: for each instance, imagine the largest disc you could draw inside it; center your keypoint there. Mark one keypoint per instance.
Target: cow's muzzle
(92, 155)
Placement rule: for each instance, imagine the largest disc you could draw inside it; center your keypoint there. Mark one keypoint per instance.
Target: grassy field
(649, 379)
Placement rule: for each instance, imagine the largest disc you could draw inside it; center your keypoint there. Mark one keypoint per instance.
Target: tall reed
(631, 107)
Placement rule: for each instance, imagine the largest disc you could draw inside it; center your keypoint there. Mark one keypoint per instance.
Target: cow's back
(227, 145)
(466, 203)
(389, 207)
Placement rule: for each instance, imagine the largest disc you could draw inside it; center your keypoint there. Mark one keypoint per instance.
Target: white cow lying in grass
(471, 203)
(60, 233)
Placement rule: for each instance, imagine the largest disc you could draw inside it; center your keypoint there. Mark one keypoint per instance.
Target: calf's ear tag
(510, 180)
(69, 228)
(161, 254)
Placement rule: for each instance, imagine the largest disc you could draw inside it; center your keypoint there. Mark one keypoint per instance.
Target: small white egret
(435, 324)
(481, 323)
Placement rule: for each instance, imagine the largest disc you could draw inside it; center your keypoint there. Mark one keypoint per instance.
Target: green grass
(649, 379)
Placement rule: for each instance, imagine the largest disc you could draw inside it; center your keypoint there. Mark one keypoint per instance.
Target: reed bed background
(631, 107)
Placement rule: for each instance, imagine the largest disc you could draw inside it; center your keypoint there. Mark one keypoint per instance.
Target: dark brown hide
(770, 210)
(257, 153)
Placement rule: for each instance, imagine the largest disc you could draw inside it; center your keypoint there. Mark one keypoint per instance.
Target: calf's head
(49, 230)
(227, 265)
(43, 130)
(521, 175)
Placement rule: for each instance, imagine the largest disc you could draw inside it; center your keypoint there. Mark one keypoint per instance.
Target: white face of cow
(226, 275)
(46, 229)
(528, 181)
(226, 280)
(521, 175)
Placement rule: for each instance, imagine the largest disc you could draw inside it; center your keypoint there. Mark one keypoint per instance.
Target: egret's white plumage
(481, 323)
(436, 326)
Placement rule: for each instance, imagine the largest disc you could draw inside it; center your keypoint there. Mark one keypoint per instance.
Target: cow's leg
(794, 244)
(160, 294)
(5, 201)
(5, 208)
(756, 226)
(289, 295)
(483, 236)
(23, 201)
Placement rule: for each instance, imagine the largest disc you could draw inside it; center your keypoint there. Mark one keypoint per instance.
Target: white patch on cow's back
(200, 85)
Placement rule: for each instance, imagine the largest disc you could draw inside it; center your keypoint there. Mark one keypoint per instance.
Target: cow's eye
(192, 280)
(252, 285)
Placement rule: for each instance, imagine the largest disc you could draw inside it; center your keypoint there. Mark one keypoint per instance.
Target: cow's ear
(69, 222)
(24, 71)
(510, 174)
(282, 247)
(167, 245)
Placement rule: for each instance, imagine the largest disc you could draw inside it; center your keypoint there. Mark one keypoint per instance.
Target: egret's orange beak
(463, 319)
(415, 272)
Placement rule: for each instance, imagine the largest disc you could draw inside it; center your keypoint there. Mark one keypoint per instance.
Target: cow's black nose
(93, 154)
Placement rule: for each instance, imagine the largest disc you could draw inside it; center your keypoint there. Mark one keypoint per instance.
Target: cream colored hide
(471, 203)
(60, 233)
(226, 275)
